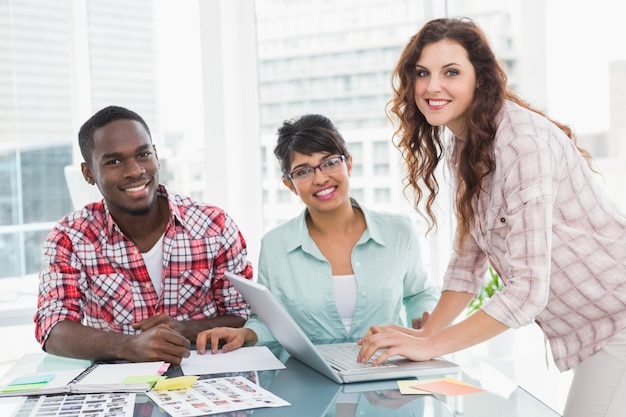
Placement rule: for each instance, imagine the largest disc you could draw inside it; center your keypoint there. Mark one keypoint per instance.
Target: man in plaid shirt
(137, 275)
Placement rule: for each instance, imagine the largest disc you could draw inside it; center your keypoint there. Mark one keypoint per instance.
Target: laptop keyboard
(343, 357)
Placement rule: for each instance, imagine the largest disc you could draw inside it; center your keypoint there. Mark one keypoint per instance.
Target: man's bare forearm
(72, 339)
(159, 343)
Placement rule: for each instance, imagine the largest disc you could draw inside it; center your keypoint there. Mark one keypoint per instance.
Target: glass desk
(313, 395)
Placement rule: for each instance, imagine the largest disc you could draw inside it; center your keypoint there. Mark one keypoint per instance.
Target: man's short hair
(102, 118)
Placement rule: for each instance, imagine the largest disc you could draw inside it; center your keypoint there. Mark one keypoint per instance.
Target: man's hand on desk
(159, 343)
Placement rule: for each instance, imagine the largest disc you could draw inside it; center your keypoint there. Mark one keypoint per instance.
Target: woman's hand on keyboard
(395, 340)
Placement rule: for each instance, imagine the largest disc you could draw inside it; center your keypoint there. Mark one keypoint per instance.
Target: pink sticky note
(163, 369)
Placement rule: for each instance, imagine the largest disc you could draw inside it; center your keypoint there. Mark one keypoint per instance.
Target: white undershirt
(345, 289)
(154, 263)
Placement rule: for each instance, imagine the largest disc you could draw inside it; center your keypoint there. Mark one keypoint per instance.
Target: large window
(308, 65)
(33, 196)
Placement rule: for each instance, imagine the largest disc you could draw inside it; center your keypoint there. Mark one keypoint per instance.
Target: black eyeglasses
(307, 173)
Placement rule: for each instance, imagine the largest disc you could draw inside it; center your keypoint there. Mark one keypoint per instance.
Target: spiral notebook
(96, 378)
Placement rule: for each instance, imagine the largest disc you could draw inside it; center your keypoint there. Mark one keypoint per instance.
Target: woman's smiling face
(444, 85)
(325, 190)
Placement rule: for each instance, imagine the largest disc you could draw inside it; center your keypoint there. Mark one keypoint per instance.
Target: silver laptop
(328, 359)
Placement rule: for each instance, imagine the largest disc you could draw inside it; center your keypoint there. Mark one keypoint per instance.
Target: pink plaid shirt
(97, 276)
(553, 235)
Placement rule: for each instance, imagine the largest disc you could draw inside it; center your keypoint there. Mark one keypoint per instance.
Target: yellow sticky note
(179, 382)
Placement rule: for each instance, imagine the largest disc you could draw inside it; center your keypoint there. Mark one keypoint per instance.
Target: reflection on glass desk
(313, 395)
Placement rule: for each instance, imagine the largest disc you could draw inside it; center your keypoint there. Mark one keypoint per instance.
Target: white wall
(231, 116)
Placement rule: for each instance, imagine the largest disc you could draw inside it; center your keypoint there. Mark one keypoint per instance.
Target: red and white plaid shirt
(97, 276)
(553, 235)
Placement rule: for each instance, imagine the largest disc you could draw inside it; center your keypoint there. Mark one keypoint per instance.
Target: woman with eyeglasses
(338, 267)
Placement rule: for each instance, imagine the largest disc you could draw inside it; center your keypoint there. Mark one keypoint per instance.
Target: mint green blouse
(392, 285)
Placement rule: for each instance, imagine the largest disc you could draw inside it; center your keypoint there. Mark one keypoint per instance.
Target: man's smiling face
(125, 167)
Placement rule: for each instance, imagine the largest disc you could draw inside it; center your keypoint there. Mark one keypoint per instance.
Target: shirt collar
(301, 237)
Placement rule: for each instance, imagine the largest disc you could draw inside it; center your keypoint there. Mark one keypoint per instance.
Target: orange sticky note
(446, 386)
(406, 388)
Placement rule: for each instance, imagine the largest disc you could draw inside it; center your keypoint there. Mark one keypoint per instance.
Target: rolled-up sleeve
(467, 267)
(522, 249)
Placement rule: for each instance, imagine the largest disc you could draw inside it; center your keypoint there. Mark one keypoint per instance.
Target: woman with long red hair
(526, 204)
